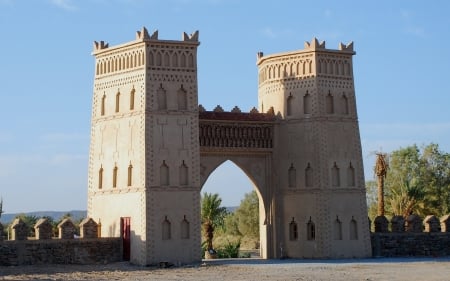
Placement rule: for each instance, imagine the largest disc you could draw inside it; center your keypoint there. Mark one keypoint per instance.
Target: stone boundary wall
(431, 244)
(59, 251)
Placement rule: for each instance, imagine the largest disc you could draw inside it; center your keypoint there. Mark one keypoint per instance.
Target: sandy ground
(245, 269)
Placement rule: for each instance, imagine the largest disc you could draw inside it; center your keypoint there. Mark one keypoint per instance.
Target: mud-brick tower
(321, 205)
(144, 151)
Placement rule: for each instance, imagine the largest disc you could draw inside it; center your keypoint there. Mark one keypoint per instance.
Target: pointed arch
(166, 229)
(289, 105)
(102, 106)
(335, 177)
(183, 60)
(293, 230)
(166, 59)
(115, 171)
(308, 176)
(100, 177)
(182, 98)
(175, 59)
(158, 58)
(117, 101)
(164, 174)
(184, 174)
(292, 176)
(310, 230)
(185, 228)
(350, 175)
(353, 229)
(161, 98)
(307, 103)
(130, 175)
(329, 103)
(190, 60)
(132, 94)
(344, 104)
(337, 229)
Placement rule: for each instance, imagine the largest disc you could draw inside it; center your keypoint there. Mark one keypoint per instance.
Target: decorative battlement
(144, 36)
(235, 114)
(316, 45)
(100, 45)
(160, 54)
(314, 60)
(235, 129)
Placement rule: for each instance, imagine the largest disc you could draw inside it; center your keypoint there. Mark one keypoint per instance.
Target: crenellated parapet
(314, 60)
(412, 224)
(146, 49)
(236, 129)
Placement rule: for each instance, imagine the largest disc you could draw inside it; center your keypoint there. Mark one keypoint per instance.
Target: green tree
(418, 180)
(212, 215)
(436, 174)
(1, 206)
(247, 215)
(231, 224)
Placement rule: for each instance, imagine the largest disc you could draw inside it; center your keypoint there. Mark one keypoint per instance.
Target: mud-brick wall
(58, 251)
(433, 244)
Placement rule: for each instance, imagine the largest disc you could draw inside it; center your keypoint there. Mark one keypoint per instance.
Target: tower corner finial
(100, 45)
(315, 44)
(154, 35)
(143, 34)
(192, 37)
(348, 47)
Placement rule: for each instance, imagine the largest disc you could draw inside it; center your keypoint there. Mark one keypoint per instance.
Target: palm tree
(212, 216)
(1, 208)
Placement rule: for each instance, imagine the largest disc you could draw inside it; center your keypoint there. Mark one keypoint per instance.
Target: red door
(125, 226)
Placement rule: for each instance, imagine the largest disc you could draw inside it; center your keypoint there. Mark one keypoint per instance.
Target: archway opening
(243, 203)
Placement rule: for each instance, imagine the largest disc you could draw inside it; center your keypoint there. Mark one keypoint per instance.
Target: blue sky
(401, 74)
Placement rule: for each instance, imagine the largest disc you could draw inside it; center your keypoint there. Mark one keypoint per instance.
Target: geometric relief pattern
(236, 135)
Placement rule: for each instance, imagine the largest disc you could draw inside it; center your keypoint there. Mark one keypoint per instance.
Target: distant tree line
(417, 181)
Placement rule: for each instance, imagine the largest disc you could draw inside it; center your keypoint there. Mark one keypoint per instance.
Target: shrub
(229, 250)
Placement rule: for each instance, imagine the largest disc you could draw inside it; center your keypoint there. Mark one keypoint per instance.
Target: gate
(125, 227)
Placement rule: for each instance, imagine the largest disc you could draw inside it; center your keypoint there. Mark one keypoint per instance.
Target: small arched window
(166, 229)
(310, 230)
(162, 99)
(351, 175)
(337, 229)
(308, 176)
(289, 105)
(353, 229)
(115, 176)
(335, 177)
(117, 102)
(329, 103)
(164, 174)
(292, 176)
(307, 103)
(293, 230)
(130, 175)
(344, 101)
(102, 107)
(183, 174)
(182, 98)
(100, 178)
(132, 93)
(185, 228)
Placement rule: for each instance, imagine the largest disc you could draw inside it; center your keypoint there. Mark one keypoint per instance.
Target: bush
(229, 250)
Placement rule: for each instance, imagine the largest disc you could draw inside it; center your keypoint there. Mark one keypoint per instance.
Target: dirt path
(245, 269)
